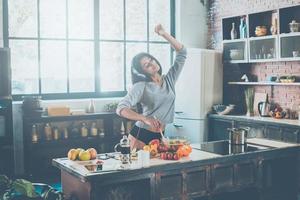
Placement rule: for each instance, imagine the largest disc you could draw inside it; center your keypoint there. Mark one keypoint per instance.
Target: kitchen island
(268, 170)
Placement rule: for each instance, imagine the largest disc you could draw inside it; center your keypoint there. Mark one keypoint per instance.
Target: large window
(82, 48)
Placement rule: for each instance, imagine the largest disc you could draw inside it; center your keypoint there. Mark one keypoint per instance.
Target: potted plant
(249, 97)
(21, 189)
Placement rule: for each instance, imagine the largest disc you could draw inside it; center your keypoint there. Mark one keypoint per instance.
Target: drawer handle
(178, 112)
(177, 126)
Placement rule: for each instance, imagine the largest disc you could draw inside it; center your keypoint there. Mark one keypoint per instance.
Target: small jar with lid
(84, 130)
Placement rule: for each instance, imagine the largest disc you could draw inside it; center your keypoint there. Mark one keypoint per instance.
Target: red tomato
(175, 157)
(163, 156)
(170, 156)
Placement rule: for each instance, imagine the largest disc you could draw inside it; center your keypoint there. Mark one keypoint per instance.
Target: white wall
(1, 24)
(191, 26)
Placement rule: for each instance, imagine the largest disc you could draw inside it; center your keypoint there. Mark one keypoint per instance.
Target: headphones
(138, 74)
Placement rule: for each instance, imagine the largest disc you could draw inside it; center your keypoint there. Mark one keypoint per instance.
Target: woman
(153, 91)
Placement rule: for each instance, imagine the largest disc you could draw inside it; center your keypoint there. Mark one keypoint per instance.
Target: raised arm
(174, 43)
(175, 70)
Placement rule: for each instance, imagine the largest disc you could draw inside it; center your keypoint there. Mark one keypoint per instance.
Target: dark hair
(137, 73)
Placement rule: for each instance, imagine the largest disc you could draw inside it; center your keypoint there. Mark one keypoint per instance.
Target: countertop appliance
(264, 109)
(199, 87)
(223, 147)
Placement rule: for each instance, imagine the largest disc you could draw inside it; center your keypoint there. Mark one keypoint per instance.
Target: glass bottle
(34, 134)
(233, 33)
(66, 133)
(48, 132)
(102, 134)
(91, 108)
(84, 130)
(55, 133)
(241, 28)
(94, 129)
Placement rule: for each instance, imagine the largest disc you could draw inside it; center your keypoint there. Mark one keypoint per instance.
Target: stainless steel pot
(238, 135)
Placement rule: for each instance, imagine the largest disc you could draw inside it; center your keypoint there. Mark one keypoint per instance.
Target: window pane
(81, 19)
(136, 20)
(81, 67)
(163, 54)
(53, 67)
(131, 50)
(111, 19)
(24, 59)
(159, 13)
(53, 18)
(22, 18)
(111, 66)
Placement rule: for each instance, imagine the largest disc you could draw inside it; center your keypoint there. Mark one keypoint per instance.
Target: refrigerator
(6, 125)
(198, 88)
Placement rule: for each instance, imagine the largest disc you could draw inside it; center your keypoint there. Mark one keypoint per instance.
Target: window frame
(96, 41)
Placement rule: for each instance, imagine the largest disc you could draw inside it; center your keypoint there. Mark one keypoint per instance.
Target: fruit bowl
(174, 149)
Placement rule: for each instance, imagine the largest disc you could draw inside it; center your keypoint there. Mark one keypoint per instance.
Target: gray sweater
(158, 101)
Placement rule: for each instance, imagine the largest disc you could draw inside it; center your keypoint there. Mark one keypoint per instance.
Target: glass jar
(84, 130)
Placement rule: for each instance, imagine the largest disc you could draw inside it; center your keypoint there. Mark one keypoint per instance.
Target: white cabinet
(193, 130)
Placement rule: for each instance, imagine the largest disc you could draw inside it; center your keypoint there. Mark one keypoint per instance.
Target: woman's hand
(154, 124)
(159, 29)
(174, 43)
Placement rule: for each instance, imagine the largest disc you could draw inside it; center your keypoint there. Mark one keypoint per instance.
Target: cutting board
(258, 97)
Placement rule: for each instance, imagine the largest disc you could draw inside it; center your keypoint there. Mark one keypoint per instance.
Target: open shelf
(227, 26)
(264, 83)
(286, 16)
(261, 19)
(278, 44)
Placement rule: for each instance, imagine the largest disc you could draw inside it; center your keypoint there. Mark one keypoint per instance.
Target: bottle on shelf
(65, 133)
(48, 132)
(91, 108)
(233, 33)
(94, 129)
(243, 27)
(55, 133)
(34, 134)
(102, 134)
(84, 130)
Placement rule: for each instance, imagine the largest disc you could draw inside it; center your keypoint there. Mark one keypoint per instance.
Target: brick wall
(287, 96)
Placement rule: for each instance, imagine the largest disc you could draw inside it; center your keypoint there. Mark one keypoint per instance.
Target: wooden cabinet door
(291, 135)
(273, 132)
(218, 129)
